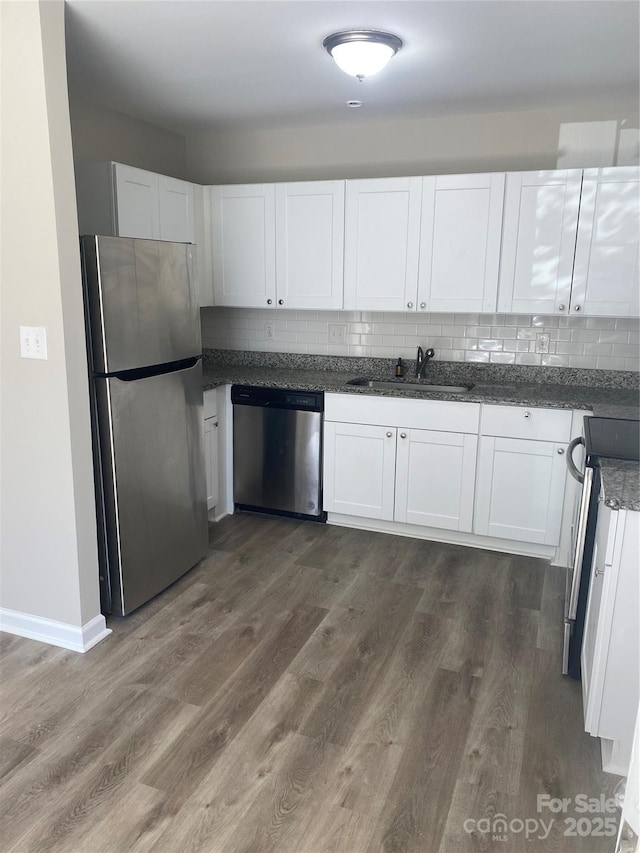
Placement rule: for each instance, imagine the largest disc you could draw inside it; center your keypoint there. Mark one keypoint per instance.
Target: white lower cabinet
(520, 490)
(211, 460)
(359, 470)
(522, 473)
(401, 473)
(611, 647)
(435, 478)
(500, 474)
(211, 453)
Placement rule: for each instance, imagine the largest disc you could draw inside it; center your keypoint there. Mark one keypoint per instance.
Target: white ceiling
(189, 64)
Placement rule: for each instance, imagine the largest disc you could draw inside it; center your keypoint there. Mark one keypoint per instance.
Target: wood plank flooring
(305, 689)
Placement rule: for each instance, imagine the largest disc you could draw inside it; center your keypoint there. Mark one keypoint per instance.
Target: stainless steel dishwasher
(277, 451)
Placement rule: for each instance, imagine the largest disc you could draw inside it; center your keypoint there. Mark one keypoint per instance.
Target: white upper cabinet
(243, 220)
(137, 208)
(175, 201)
(570, 243)
(310, 244)
(278, 245)
(605, 277)
(461, 233)
(122, 201)
(538, 241)
(382, 244)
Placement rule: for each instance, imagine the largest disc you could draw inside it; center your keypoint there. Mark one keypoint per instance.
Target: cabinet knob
(527, 415)
(269, 301)
(576, 308)
(599, 572)
(280, 301)
(403, 435)
(560, 451)
(389, 434)
(409, 304)
(423, 305)
(561, 307)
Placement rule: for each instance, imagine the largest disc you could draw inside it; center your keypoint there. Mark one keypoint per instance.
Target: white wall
(360, 147)
(48, 554)
(102, 134)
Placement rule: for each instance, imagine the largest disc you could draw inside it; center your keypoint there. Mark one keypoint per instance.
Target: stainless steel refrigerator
(143, 341)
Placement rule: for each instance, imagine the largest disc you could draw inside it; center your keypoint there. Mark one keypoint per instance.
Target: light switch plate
(33, 342)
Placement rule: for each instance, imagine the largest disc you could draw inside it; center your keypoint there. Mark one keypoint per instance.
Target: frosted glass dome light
(362, 53)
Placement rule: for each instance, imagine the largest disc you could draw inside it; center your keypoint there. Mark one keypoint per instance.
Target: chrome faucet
(423, 358)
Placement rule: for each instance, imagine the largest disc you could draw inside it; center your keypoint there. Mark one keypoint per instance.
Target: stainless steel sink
(406, 385)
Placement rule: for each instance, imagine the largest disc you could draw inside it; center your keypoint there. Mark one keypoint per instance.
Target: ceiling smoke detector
(362, 53)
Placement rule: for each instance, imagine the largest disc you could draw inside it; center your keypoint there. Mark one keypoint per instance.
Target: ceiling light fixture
(362, 53)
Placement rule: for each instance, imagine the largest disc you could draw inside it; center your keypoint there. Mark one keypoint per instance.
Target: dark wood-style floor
(306, 688)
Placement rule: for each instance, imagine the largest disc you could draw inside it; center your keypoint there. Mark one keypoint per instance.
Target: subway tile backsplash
(586, 342)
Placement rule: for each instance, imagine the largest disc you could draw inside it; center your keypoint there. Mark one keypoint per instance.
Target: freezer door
(141, 302)
(153, 481)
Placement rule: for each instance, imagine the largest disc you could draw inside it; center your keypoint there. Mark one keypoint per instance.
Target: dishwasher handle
(571, 465)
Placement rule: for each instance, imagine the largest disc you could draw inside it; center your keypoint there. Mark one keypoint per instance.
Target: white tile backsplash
(592, 342)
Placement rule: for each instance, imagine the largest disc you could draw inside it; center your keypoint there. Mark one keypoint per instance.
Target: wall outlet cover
(542, 342)
(337, 333)
(268, 331)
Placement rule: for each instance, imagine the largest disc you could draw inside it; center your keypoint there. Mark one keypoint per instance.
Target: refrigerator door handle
(580, 542)
(571, 465)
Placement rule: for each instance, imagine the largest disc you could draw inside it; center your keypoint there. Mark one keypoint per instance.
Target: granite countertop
(603, 401)
(609, 394)
(621, 483)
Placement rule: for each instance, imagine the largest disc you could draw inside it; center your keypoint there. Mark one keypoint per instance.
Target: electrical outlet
(337, 333)
(542, 342)
(268, 331)
(33, 342)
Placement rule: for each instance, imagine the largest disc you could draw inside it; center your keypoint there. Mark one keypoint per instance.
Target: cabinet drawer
(526, 422)
(210, 404)
(440, 415)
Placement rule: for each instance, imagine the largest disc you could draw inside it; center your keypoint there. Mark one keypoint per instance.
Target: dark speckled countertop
(612, 394)
(621, 483)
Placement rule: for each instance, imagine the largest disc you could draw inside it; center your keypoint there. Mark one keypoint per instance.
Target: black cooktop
(612, 438)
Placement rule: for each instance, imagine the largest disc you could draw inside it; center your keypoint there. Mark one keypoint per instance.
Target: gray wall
(102, 134)
(48, 557)
(360, 147)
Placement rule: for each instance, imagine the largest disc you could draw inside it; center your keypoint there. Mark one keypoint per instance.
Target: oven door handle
(571, 465)
(580, 543)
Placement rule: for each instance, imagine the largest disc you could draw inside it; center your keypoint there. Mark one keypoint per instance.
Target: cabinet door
(461, 231)
(137, 213)
(211, 460)
(435, 478)
(310, 244)
(605, 277)
(244, 239)
(176, 210)
(382, 244)
(359, 469)
(538, 241)
(520, 490)
(595, 642)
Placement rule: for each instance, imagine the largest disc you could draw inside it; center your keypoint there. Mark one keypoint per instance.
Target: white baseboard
(452, 537)
(54, 633)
